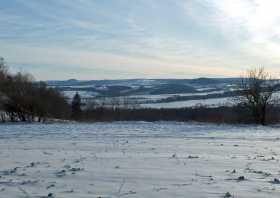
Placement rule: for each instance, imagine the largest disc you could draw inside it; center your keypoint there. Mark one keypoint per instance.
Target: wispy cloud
(145, 38)
(250, 27)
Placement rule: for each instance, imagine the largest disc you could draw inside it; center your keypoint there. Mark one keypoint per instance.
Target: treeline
(23, 99)
(224, 114)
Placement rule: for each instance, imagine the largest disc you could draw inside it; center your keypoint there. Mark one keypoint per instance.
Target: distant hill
(143, 86)
(200, 81)
(205, 81)
(173, 89)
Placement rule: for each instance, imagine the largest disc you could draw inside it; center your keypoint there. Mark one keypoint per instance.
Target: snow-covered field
(212, 102)
(165, 96)
(139, 159)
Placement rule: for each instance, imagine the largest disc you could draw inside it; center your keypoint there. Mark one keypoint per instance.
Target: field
(139, 159)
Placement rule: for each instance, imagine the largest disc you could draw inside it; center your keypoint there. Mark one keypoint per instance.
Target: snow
(211, 102)
(138, 159)
(83, 94)
(165, 96)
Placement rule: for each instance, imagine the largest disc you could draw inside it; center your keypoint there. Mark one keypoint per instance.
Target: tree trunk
(263, 115)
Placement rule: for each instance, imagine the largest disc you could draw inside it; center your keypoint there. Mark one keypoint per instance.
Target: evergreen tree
(76, 106)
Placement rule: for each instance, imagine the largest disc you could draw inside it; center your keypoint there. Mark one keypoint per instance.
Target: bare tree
(3, 76)
(114, 102)
(23, 99)
(257, 88)
(91, 104)
(3, 69)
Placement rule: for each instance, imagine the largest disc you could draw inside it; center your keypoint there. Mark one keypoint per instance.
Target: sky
(121, 39)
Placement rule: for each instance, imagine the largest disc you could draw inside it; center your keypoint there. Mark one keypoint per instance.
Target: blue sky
(112, 39)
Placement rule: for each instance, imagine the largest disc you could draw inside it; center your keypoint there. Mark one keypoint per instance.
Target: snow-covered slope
(139, 159)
